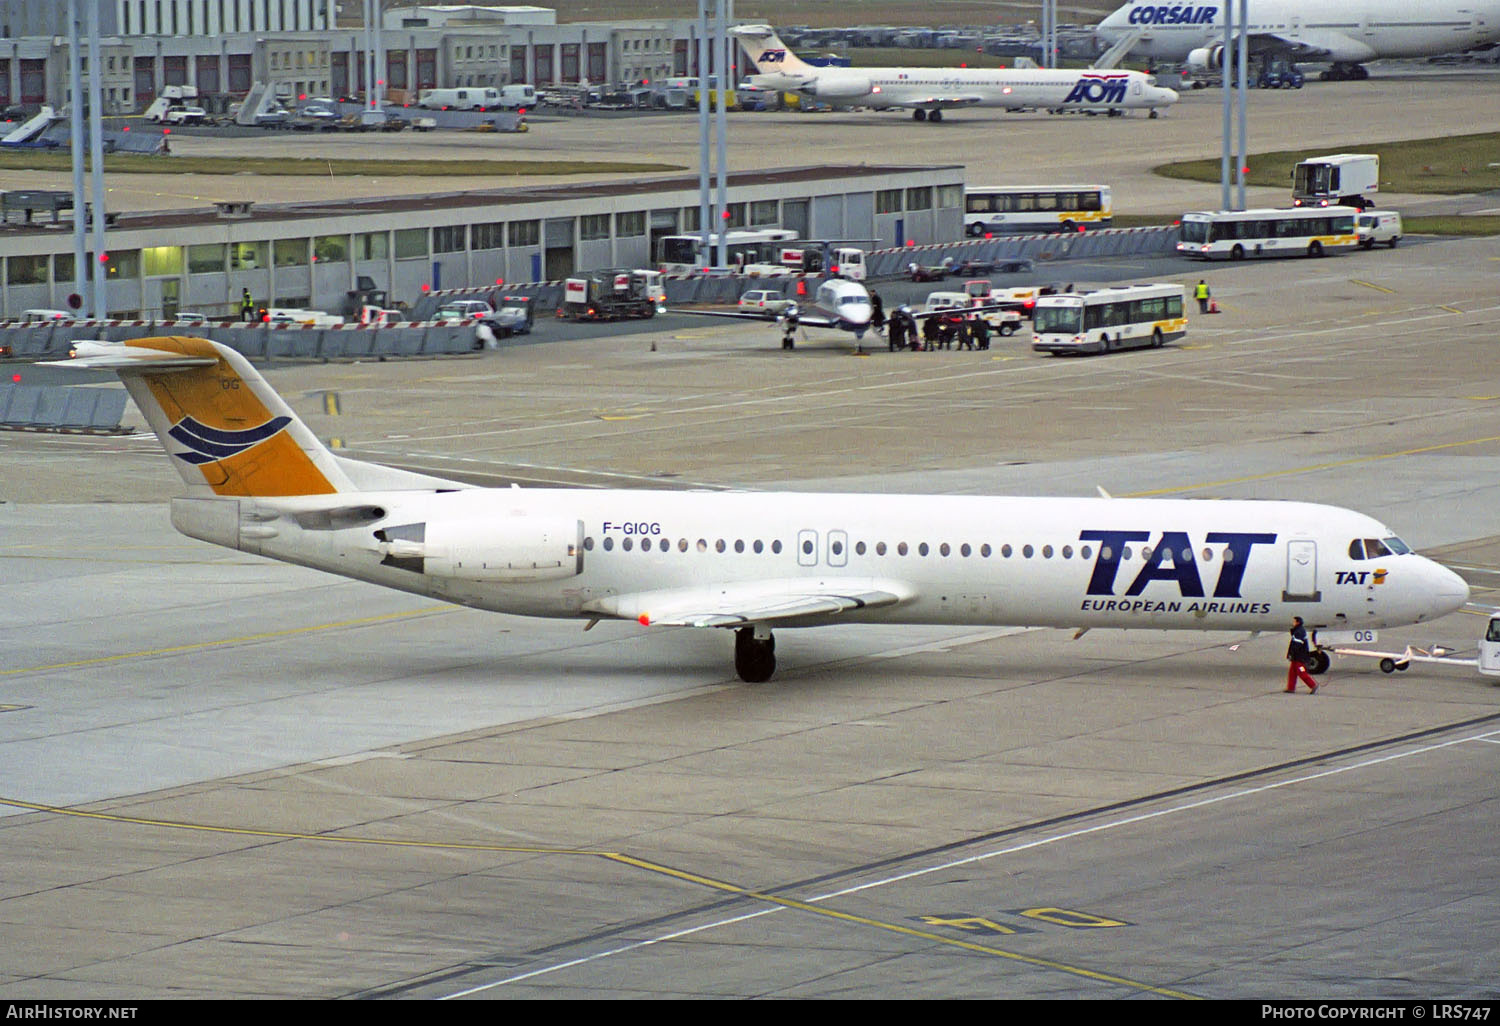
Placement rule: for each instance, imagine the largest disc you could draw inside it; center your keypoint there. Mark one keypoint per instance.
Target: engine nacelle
(505, 549)
(840, 88)
(1206, 58)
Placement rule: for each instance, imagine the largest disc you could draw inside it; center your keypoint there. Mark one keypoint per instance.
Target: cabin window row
(964, 549)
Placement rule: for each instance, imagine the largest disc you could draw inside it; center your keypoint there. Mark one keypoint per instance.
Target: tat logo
(1099, 89)
(772, 56)
(1359, 577)
(1176, 14)
(1172, 559)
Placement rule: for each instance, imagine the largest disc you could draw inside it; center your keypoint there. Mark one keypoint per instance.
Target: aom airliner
(1344, 33)
(259, 481)
(927, 92)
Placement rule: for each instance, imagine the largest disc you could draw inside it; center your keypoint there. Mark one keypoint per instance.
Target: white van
(473, 98)
(1378, 226)
(517, 97)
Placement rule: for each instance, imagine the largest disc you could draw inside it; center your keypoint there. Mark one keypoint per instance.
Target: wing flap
(740, 604)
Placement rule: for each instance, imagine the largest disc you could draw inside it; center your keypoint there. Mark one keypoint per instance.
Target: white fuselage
(1015, 89)
(1047, 562)
(1344, 31)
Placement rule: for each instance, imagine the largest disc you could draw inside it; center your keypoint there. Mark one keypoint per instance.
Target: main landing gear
(921, 115)
(1345, 73)
(754, 654)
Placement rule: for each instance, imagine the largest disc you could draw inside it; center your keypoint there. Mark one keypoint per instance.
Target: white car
(460, 310)
(770, 303)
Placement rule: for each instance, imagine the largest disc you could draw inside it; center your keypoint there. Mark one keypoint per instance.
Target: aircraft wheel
(919, 114)
(754, 660)
(1154, 113)
(1318, 663)
(936, 115)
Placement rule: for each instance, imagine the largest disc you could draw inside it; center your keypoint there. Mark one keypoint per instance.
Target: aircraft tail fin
(227, 432)
(767, 52)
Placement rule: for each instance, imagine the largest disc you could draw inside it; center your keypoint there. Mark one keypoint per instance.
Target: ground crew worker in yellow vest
(247, 306)
(1201, 294)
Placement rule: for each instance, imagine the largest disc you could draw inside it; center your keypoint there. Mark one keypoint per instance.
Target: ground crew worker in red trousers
(1297, 654)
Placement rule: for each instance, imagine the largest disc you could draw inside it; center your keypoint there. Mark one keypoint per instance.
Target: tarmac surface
(225, 777)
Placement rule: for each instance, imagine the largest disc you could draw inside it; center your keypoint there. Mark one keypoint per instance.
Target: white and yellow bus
(1298, 231)
(1021, 209)
(1101, 321)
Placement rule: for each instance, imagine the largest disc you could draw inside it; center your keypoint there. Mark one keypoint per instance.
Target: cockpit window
(1375, 548)
(846, 300)
(1397, 546)
(1357, 549)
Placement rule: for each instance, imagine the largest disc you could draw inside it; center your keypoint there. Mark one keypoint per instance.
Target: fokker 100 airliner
(259, 481)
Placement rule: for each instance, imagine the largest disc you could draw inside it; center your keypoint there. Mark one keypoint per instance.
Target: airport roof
(521, 195)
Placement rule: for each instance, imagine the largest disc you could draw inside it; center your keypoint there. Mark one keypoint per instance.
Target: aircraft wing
(1311, 45)
(803, 320)
(964, 310)
(943, 102)
(750, 602)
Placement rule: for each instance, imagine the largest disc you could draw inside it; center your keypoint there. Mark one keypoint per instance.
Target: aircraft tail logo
(227, 431)
(207, 445)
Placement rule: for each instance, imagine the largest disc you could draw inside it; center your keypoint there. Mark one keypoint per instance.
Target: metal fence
(61, 407)
(52, 339)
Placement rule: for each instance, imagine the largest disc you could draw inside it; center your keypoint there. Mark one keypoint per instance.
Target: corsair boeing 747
(259, 481)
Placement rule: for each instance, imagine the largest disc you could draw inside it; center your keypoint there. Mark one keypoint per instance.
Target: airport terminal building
(223, 47)
(312, 254)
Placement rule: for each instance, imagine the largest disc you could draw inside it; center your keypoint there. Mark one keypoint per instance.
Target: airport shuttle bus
(684, 254)
(1236, 234)
(1130, 316)
(1018, 210)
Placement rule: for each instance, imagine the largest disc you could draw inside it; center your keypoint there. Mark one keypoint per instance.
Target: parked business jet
(837, 304)
(927, 92)
(1345, 33)
(260, 482)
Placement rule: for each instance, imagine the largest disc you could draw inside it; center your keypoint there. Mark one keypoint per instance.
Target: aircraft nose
(1168, 96)
(1449, 591)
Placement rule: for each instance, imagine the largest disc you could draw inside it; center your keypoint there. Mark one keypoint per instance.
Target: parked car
(459, 310)
(770, 303)
(515, 317)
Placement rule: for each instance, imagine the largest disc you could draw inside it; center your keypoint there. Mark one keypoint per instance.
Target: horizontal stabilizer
(93, 354)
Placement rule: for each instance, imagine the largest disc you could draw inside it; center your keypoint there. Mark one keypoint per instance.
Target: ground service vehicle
(518, 97)
(607, 295)
(684, 254)
(1014, 210)
(175, 107)
(1373, 227)
(472, 98)
(1003, 322)
(1298, 231)
(1101, 321)
(1339, 179)
(1022, 299)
